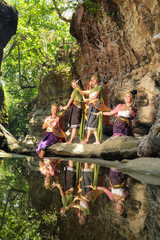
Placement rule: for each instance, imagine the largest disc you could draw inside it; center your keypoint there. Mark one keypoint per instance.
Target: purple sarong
(121, 128)
(48, 140)
(116, 177)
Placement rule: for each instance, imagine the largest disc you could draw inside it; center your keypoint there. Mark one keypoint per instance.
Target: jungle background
(42, 42)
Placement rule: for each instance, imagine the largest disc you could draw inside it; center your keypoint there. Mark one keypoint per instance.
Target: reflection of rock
(150, 144)
(146, 170)
(140, 219)
(112, 149)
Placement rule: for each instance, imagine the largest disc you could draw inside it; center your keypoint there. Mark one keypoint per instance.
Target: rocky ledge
(114, 148)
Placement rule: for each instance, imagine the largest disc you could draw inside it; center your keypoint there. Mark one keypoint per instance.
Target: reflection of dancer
(83, 202)
(68, 191)
(124, 114)
(53, 133)
(116, 189)
(75, 111)
(49, 169)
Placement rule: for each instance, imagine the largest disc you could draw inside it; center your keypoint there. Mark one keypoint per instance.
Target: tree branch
(14, 44)
(20, 77)
(4, 212)
(13, 189)
(59, 13)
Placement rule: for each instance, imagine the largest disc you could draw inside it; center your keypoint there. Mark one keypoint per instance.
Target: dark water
(38, 196)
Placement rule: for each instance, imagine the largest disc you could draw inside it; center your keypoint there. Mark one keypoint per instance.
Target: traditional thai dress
(93, 122)
(115, 185)
(47, 167)
(94, 107)
(69, 185)
(89, 176)
(123, 123)
(75, 110)
(51, 137)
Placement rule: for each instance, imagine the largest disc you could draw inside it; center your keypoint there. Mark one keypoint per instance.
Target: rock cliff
(8, 25)
(119, 41)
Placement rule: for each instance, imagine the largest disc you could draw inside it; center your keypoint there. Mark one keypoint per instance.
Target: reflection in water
(49, 168)
(82, 184)
(48, 198)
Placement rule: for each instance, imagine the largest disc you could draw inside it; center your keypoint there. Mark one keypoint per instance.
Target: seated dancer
(95, 99)
(53, 134)
(124, 114)
(115, 188)
(68, 191)
(75, 110)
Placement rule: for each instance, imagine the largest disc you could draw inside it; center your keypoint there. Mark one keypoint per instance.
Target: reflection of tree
(18, 218)
(12, 189)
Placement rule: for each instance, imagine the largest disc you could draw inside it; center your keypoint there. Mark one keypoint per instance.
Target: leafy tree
(42, 42)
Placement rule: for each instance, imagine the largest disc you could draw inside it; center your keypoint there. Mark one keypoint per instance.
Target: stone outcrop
(150, 144)
(120, 43)
(8, 25)
(9, 144)
(114, 148)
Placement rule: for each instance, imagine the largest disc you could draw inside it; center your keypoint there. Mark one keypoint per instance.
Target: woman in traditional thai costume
(49, 168)
(67, 192)
(53, 134)
(86, 195)
(95, 100)
(124, 114)
(75, 110)
(115, 188)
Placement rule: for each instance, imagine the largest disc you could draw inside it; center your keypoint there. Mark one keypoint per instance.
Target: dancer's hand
(62, 108)
(76, 198)
(55, 185)
(98, 114)
(84, 99)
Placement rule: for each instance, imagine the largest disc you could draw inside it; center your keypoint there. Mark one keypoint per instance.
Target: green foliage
(44, 43)
(92, 7)
(18, 219)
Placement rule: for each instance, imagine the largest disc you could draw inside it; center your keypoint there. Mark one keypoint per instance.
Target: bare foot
(97, 142)
(84, 142)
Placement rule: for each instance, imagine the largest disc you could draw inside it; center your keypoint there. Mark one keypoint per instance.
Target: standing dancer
(95, 100)
(75, 110)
